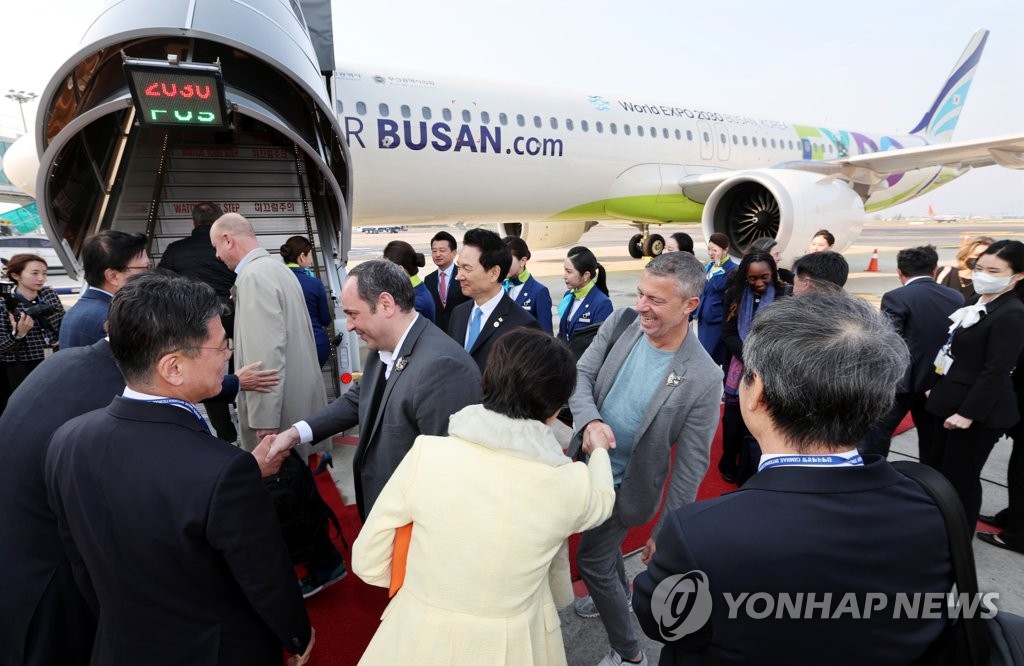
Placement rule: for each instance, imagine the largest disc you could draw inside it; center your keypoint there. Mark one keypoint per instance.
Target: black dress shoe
(993, 539)
(994, 521)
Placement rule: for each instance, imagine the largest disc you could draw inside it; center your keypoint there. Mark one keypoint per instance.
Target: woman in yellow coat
(491, 506)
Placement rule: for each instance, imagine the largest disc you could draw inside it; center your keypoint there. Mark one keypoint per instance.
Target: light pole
(21, 96)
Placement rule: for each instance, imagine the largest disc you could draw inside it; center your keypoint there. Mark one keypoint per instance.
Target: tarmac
(585, 640)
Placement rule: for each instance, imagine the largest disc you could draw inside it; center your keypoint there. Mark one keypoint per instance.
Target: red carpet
(346, 615)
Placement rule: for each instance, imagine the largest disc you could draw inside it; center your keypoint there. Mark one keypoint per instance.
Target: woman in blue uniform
(403, 254)
(586, 303)
(297, 253)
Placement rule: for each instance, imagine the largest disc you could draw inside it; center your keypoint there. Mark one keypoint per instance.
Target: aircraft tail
(938, 123)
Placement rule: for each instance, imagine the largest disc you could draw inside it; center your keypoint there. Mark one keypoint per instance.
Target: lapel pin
(673, 379)
(400, 364)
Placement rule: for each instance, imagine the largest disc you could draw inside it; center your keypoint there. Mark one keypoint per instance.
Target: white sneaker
(613, 659)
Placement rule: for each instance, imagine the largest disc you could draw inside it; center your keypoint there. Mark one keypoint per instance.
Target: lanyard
(817, 461)
(184, 405)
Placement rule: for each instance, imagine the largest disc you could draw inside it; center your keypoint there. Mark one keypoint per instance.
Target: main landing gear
(645, 244)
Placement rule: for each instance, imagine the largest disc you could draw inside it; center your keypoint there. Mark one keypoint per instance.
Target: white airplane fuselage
(471, 151)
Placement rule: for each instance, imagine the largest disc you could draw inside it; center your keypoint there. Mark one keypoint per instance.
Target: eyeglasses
(147, 267)
(229, 346)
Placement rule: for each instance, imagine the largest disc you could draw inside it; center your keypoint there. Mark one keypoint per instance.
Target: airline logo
(444, 137)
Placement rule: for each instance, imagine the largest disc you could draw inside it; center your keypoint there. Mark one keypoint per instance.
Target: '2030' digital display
(178, 98)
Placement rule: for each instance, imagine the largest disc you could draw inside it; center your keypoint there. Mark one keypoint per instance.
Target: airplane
(549, 165)
(942, 218)
(557, 162)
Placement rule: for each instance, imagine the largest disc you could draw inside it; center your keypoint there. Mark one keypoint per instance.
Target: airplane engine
(783, 204)
(546, 234)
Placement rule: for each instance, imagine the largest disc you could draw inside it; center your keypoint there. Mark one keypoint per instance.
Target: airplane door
(721, 139)
(707, 145)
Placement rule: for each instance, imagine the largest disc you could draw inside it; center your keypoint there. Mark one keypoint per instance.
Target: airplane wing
(870, 168)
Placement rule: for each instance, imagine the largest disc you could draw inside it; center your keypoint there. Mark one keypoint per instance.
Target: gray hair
(829, 366)
(377, 277)
(154, 314)
(682, 266)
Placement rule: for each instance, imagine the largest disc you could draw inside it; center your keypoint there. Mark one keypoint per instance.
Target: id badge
(943, 361)
(47, 352)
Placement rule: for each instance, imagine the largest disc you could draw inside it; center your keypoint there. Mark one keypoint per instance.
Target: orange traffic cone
(873, 264)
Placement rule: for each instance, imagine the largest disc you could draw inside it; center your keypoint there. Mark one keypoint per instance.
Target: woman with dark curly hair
(753, 285)
(30, 316)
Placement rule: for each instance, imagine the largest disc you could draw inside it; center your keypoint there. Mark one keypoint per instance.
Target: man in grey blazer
(271, 325)
(416, 380)
(643, 391)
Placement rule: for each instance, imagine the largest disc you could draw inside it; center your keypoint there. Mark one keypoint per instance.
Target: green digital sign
(177, 95)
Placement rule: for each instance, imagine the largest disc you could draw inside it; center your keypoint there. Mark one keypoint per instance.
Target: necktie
(442, 286)
(474, 328)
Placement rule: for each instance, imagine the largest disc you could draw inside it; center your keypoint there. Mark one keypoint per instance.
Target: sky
(872, 65)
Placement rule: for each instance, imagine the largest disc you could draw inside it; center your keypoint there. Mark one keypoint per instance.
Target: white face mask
(990, 284)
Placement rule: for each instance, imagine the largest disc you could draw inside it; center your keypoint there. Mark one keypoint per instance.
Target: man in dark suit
(109, 258)
(171, 535)
(441, 283)
(195, 257)
(43, 619)
(483, 265)
(920, 312)
(415, 381)
(816, 519)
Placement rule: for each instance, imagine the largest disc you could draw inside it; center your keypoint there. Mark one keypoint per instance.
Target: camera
(11, 303)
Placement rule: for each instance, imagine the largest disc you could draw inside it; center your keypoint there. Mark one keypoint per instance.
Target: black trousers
(880, 437)
(964, 453)
(1011, 519)
(740, 451)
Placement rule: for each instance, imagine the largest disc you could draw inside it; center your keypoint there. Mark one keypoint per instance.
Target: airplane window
(773, 143)
(791, 144)
(613, 128)
(361, 108)
(679, 135)
(426, 113)
(383, 108)
(599, 127)
(744, 141)
(406, 112)
(735, 140)
(466, 116)
(764, 142)
(537, 122)
(627, 130)
(721, 137)
(568, 124)
(446, 114)
(664, 132)
(707, 138)
(554, 123)
(639, 130)
(503, 118)
(339, 106)
(485, 118)
(584, 125)
(830, 147)
(654, 132)
(520, 120)
(689, 135)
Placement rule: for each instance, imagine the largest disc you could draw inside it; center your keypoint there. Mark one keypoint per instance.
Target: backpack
(301, 512)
